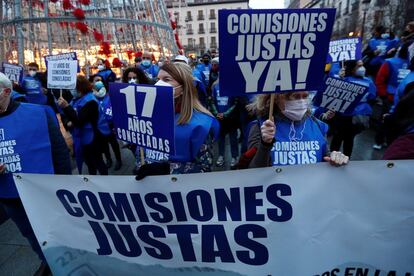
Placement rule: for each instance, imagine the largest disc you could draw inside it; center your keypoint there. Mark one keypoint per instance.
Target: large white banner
(296, 220)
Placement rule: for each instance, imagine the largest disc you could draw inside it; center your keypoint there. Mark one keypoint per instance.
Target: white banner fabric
(295, 220)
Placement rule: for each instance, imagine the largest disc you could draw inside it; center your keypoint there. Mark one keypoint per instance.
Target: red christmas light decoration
(82, 27)
(105, 49)
(67, 5)
(53, 1)
(85, 2)
(129, 53)
(98, 36)
(64, 24)
(138, 54)
(79, 14)
(116, 62)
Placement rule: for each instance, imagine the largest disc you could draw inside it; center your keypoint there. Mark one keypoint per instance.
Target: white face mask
(101, 93)
(296, 109)
(360, 72)
(163, 83)
(133, 80)
(32, 73)
(101, 67)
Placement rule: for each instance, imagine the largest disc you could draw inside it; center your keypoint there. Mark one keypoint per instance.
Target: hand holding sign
(268, 130)
(273, 50)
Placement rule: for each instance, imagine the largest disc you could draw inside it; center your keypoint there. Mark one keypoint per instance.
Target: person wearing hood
(151, 70)
(104, 100)
(104, 70)
(291, 136)
(204, 67)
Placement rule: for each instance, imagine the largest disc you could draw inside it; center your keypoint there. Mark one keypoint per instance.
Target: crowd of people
(263, 130)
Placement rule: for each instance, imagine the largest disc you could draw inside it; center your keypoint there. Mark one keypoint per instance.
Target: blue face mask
(146, 63)
(98, 85)
(385, 36)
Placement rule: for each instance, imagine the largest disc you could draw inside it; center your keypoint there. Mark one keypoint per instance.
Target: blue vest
(104, 74)
(84, 135)
(398, 70)
(189, 137)
(24, 147)
(401, 89)
(151, 71)
(205, 70)
(304, 144)
(363, 107)
(223, 103)
(106, 106)
(382, 45)
(34, 92)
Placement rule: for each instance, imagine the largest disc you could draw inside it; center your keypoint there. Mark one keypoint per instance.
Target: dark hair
(142, 78)
(33, 64)
(83, 85)
(380, 29)
(92, 77)
(349, 67)
(138, 59)
(403, 53)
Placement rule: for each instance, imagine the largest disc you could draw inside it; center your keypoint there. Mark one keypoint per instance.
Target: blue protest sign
(13, 72)
(340, 96)
(266, 51)
(345, 49)
(64, 56)
(144, 115)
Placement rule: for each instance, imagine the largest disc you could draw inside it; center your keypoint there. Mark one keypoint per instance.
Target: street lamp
(365, 5)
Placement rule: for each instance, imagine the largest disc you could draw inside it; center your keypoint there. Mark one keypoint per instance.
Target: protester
(225, 110)
(391, 73)
(193, 126)
(101, 94)
(88, 126)
(295, 136)
(32, 85)
(135, 75)
(214, 73)
(36, 147)
(346, 127)
(151, 70)
(401, 126)
(376, 51)
(104, 70)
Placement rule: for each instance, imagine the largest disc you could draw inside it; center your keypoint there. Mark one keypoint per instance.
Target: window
(212, 14)
(188, 17)
(201, 28)
(202, 42)
(200, 15)
(213, 29)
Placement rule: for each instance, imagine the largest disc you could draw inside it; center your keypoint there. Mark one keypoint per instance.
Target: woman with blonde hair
(291, 135)
(194, 127)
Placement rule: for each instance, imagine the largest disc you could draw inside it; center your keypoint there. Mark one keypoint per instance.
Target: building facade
(359, 17)
(197, 22)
